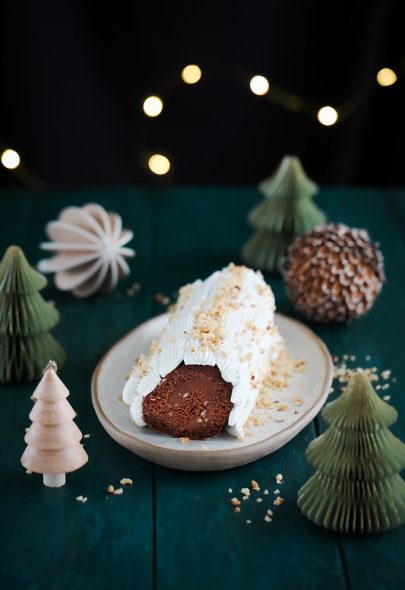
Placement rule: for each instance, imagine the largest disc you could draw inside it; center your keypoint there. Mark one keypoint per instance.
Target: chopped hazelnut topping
(118, 492)
(110, 489)
(235, 501)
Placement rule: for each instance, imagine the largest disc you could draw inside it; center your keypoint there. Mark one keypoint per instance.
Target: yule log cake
(207, 367)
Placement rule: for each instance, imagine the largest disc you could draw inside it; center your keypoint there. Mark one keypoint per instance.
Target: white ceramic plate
(301, 401)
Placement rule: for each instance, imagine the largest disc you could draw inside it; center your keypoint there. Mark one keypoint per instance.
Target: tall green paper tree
(25, 319)
(286, 211)
(357, 487)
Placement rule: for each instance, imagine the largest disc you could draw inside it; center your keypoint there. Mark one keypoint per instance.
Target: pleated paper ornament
(53, 439)
(357, 487)
(90, 250)
(286, 211)
(25, 320)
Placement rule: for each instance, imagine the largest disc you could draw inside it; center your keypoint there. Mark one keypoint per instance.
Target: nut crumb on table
(126, 481)
(255, 486)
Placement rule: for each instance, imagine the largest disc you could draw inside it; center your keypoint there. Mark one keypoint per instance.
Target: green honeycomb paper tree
(286, 212)
(25, 320)
(357, 487)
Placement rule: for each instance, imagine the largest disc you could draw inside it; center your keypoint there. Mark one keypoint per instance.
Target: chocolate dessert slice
(216, 349)
(192, 401)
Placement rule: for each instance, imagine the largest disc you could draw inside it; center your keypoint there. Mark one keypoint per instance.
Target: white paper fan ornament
(89, 245)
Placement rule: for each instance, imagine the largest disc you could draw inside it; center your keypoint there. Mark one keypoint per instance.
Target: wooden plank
(48, 538)
(199, 540)
(375, 561)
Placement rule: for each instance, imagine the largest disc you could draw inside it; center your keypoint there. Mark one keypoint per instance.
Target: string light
(259, 85)
(159, 164)
(327, 116)
(191, 74)
(153, 106)
(10, 159)
(386, 77)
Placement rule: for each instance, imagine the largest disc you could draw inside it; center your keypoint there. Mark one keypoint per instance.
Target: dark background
(74, 76)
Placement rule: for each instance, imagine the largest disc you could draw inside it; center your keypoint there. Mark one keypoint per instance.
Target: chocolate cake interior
(192, 401)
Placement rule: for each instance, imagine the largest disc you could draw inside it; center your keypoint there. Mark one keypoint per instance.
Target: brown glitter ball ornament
(334, 273)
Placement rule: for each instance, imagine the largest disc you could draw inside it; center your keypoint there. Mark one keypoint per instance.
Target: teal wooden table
(175, 529)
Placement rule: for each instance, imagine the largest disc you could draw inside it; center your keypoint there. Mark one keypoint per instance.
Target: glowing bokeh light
(327, 116)
(191, 74)
(10, 159)
(159, 164)
(386, 77)
(153, 106)
(259, 85)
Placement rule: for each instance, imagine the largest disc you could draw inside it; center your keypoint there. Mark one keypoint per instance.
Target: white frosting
(226, 320)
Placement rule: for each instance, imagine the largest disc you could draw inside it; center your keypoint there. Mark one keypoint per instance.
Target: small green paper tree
(287, 211)
(25, 318)
(357, 487)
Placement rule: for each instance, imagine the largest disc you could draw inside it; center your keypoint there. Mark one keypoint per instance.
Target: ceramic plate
(301, 401)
